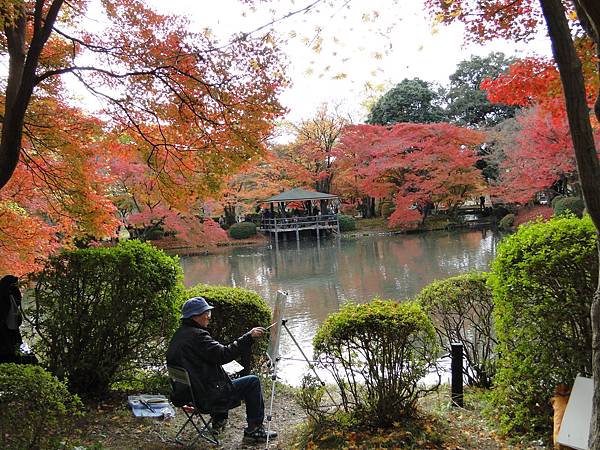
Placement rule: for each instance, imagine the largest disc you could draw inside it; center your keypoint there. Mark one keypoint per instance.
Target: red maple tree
(541, 158)
(419, 166)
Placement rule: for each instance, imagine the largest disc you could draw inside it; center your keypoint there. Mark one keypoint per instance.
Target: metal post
(457, 374)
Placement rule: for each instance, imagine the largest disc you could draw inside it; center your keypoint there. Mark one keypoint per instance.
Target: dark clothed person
(10, 322)
(193, 348)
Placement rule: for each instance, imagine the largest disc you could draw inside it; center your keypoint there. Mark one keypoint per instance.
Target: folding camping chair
(193, 411)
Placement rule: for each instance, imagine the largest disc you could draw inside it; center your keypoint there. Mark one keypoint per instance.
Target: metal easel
(274, 356)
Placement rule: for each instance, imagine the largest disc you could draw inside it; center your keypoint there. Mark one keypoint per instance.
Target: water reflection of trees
(319, 278)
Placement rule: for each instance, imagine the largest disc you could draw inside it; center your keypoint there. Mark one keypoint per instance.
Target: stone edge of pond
(365, 233)
(359, 234)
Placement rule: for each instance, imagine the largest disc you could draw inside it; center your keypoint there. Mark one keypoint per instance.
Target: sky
(371, 45)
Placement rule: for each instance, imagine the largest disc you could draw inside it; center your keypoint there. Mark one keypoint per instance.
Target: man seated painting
(193, 348)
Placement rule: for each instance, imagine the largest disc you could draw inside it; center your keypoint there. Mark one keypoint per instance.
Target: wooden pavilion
(297, 210)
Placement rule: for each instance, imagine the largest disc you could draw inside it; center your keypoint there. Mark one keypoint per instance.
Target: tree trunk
(367, 207)
(22, 66)
(14, 115)
(229, 211)
(324, 185)
(588, 166)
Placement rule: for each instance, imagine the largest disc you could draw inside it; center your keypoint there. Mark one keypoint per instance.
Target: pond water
(319, 277)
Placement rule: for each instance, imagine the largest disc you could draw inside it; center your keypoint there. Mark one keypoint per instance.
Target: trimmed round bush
(242, 230)
(461, 309)
(377, 353)
(33, 406)
(236, 312)
(507, 222)
(101, 312)
(565, 205)
(347, 223)
(543, 280)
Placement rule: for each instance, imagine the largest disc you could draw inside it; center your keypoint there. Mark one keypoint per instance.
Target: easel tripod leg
(270, 415)
(310, 364)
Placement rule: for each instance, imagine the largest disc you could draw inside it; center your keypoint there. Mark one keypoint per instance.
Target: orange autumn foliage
(191, 111)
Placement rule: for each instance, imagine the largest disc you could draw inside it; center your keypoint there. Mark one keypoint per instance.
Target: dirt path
(111, 425)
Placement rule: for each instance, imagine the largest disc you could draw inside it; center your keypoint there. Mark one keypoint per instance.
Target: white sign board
(575, 428)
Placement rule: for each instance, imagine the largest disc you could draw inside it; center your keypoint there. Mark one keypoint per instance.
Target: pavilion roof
(298, 194)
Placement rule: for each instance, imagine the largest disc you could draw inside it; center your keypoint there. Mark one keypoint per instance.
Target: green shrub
(347, 223)
(555, 199)
(462, 308)
(236, 312)
(310, 397)
(153, 380)
(566, 205)
(154, 233)
(101, 312)
(543, 280)
(500, 211)
(377, 353)
(242, 230)
(507, 222)
(387, 208)
(33, 406)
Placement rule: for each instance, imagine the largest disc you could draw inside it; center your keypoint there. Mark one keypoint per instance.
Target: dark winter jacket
(10, 339)
(193, 348)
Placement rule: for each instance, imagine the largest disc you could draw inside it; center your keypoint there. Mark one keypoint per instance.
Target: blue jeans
(249, 390)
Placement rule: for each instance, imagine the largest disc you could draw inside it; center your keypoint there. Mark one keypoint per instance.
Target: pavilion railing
(299, 223)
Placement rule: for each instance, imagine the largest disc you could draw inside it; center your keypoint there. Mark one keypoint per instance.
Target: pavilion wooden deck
(319, 223)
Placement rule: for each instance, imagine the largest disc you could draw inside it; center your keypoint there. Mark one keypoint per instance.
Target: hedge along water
(320, 279)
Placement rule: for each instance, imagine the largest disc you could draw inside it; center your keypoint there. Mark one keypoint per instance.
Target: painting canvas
(275, 330)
